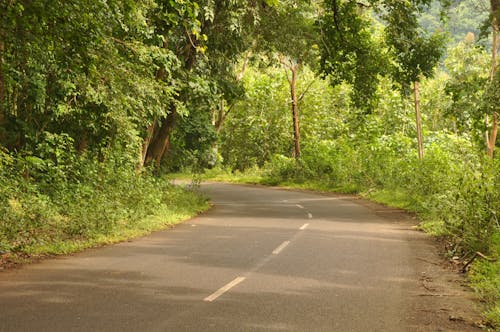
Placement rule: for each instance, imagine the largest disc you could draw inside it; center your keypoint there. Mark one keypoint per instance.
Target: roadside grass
(68, 227)
(484, 275)
(251, 176)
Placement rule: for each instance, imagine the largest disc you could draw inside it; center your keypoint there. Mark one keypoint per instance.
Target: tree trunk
(493, 136)
(145, 145)
(494, 48)
(490, 138)
(295, 111)
(220, 117)
(2, 80)
(160, 141)
(418, 120)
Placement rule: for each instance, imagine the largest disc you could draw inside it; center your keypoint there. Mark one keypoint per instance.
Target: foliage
(259, 123)
(350, 53)
(461, 17)
(102, 202)
(91, 91)
(468, 68)
(485, 279)
(415, 53)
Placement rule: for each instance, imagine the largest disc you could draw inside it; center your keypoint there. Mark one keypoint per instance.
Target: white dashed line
(304, 227)
(281, 247)
(223, 289)
(309, 215)
(299, 206)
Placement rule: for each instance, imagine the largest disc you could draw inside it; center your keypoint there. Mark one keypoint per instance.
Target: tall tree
(288, 31)
(79, 69)
(349, 50)
(415, 54)
(208, 49)
(491, 137)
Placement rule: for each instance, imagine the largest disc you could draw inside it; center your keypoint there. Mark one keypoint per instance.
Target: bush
(40, 210)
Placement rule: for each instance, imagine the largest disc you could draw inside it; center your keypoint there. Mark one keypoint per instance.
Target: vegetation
(100, 100)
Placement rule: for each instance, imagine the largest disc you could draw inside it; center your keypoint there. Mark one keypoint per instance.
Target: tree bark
(160, 141)
(145, 145)
(2, 79)
(292, 81)
(295, 111)
(418, 120)
(491, 137)
(221, 116)
(494, 48)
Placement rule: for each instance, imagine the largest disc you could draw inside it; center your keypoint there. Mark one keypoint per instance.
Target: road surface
(262, 259)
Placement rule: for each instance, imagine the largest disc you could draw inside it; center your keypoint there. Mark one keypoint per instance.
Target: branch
(190, 40)
(229, 110)
(285, 66)
(123, 43)
(336, 14)
(364, 5)
(240, 75)
(306, 90)
(477, 254)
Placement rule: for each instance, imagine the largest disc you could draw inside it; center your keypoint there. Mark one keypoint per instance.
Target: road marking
(299, 206)
(309, 215)
(224, 289)
(281, 247)
(304, 226)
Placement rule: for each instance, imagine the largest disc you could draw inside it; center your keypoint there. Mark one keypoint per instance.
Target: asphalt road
(260, 260)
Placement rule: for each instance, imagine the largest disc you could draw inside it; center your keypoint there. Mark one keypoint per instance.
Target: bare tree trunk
(494, 48)
(240, 75)
(145, 145)
(418, 120)
(292, 81)
(493, 136)
(221, 116)
(2, 79)
(490, 138)
(295, 110)
(160, 141)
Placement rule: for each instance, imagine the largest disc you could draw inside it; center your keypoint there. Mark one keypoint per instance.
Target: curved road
(261, 260)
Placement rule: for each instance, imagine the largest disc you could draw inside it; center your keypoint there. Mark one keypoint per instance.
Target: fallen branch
(477, 254)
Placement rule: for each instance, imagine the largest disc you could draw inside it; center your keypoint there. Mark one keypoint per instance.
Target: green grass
(176, 205)
(252, 176)
(485, 280)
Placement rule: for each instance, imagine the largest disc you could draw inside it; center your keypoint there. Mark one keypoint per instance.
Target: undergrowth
(44, 213)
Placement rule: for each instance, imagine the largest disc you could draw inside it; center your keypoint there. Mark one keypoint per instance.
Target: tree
(208, 48)
(77, 69)
(349, 50)
(288, 31)
(491, 137)
(415, 54)
(467, 65)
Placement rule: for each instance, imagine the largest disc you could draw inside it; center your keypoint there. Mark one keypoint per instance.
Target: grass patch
(71, 220)
(485, 280)
(394, 198)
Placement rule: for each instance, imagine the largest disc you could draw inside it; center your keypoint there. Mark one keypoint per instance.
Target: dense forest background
(101, 99)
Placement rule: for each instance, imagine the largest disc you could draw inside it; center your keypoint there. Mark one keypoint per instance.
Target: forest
(103, 101)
